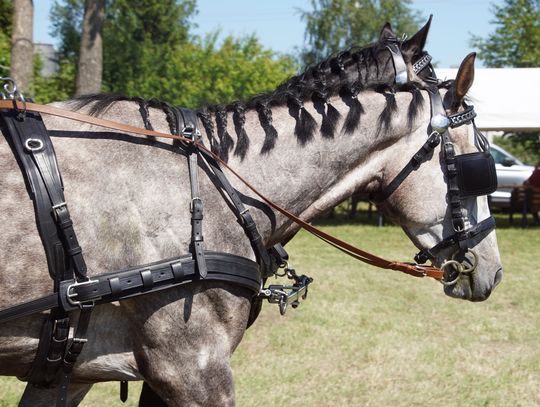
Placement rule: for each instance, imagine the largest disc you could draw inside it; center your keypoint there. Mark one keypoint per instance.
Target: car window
(497, 155)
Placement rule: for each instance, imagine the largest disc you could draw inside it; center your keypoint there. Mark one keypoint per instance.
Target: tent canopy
(504, 99)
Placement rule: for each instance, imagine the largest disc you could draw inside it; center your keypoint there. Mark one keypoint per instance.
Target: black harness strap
(35, 153)
(186, 125)
(144, 279)
(418, 158)
(244, 218)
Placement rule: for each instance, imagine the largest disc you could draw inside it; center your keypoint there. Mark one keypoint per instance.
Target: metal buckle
(58, 206)
(71, 295)
(191, 133)
(191, 203)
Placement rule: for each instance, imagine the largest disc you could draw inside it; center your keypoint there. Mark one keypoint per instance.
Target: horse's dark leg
(39, 397)
(149, 398)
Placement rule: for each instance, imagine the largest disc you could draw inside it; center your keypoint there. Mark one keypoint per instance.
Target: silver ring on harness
(467, 270)
(33, 145)
(460, 267)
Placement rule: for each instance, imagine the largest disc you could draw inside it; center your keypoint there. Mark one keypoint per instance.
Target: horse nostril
(498, 277)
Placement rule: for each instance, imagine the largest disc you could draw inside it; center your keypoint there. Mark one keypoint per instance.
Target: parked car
(510, 173)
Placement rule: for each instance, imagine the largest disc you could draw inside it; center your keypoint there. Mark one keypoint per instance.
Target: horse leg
(43, 397)
(169, 386)
(184, 343)
(149, 398)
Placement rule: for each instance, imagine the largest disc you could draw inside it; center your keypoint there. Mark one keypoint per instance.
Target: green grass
(370, 337)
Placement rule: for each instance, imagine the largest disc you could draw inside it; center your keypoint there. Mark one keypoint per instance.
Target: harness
(75, 291)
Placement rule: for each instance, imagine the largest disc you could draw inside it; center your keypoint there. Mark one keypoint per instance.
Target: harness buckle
(191, 132)
(192, 203)
(57, 208)
(71, 295)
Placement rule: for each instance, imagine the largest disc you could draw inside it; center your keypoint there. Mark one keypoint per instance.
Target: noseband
(467, 175)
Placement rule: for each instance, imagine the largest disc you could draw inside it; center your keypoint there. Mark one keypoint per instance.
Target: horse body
(129, 199)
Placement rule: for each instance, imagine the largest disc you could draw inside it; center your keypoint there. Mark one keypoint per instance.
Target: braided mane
(346, 74)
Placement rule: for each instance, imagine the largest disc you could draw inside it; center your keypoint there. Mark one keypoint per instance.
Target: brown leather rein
(416, 270)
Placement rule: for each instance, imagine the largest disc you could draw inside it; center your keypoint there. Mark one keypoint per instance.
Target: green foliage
(60, 86)
(141, 39)
(5, 36)
(148, 51)
(516, 40)
(525, 146)
(66, 19)
(5, 53)
(207, 73)
(5, 16)
(335, 24)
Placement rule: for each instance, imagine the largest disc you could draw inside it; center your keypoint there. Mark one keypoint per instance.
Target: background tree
(141, 39)
(6, 15)
(148, 51)
(516, 39)
(514, 43)
(335, 24)
(21, 43)
(90, 66)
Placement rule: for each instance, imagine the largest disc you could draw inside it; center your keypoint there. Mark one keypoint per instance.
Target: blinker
(476, 174)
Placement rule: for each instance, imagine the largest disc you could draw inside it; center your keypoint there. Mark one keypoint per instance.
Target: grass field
(370, 337)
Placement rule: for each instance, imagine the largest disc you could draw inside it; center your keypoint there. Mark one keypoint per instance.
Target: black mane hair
(346, 74)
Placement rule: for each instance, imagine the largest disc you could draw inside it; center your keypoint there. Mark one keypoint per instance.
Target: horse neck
(311, 178)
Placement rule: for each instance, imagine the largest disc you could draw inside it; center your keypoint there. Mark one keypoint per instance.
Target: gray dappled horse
(340, 127)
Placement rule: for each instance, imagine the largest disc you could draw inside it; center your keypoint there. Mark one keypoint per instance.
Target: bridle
(468, 175)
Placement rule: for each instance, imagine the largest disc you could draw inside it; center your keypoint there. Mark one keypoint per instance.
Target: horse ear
(386, 32)
(464, 80)
(416, 43)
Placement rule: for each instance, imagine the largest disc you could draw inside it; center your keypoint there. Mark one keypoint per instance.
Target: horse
(342, 126)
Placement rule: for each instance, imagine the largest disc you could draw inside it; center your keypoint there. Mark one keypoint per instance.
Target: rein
(416, 270)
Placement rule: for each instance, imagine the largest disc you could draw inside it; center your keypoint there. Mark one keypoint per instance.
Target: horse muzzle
(467, 278)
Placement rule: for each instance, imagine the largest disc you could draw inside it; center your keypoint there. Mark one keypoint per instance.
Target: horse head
(452, 227)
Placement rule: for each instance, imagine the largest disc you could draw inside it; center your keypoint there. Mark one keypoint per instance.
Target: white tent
(504, 98)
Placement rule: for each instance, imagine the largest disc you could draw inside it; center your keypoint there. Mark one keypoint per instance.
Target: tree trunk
(89, 73)
(21, 43)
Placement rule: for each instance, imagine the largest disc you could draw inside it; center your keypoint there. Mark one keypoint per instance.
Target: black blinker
(476, 174)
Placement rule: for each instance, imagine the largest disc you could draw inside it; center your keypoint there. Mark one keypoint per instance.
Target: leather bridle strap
(414, 163)
(408, 268)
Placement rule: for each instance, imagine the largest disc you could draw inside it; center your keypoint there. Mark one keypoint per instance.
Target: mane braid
(143, 110)
(206, 119)
(385, 117)
(265, 117)
(352, 121)
(417, 101)
(344, 74)
(239, 120)
(225, 140)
